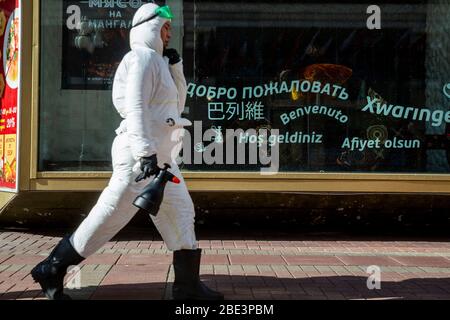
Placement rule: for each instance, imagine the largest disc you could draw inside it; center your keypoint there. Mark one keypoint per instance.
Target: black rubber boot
(187, 284)
(50, 272)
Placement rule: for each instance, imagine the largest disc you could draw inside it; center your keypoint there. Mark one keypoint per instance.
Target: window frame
(32, 179)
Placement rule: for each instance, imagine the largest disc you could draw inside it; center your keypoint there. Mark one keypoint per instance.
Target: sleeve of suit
(139, 90)
(178, 76)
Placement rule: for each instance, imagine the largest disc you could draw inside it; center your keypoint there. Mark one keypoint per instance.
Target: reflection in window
(343, 98)
(338, 66)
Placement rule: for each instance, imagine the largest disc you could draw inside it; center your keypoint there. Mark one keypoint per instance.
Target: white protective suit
(146, 91)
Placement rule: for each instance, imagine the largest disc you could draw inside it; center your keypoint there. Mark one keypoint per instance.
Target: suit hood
(147, 34)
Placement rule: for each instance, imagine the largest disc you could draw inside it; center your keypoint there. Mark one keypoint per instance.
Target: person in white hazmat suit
(149, 91)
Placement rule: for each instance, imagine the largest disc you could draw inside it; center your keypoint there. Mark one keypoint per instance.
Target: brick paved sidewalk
(241, 269)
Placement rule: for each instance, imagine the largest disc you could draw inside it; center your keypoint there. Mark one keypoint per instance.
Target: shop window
(307, 86)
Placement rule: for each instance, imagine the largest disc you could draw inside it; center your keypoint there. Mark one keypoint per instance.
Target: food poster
(92, 52)
(9, 92)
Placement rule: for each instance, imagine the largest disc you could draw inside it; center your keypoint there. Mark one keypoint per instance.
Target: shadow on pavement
(270, 234)
(268, 288)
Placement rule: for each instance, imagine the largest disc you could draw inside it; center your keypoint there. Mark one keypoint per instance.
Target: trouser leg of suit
(115, 208)
(176, 216)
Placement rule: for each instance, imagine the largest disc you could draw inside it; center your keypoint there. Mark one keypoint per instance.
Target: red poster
(9, 91)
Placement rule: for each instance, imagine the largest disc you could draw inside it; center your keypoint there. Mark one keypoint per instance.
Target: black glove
(149, 167)
(173, 55)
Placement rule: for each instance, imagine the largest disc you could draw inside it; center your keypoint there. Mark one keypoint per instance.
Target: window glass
(294, 86)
